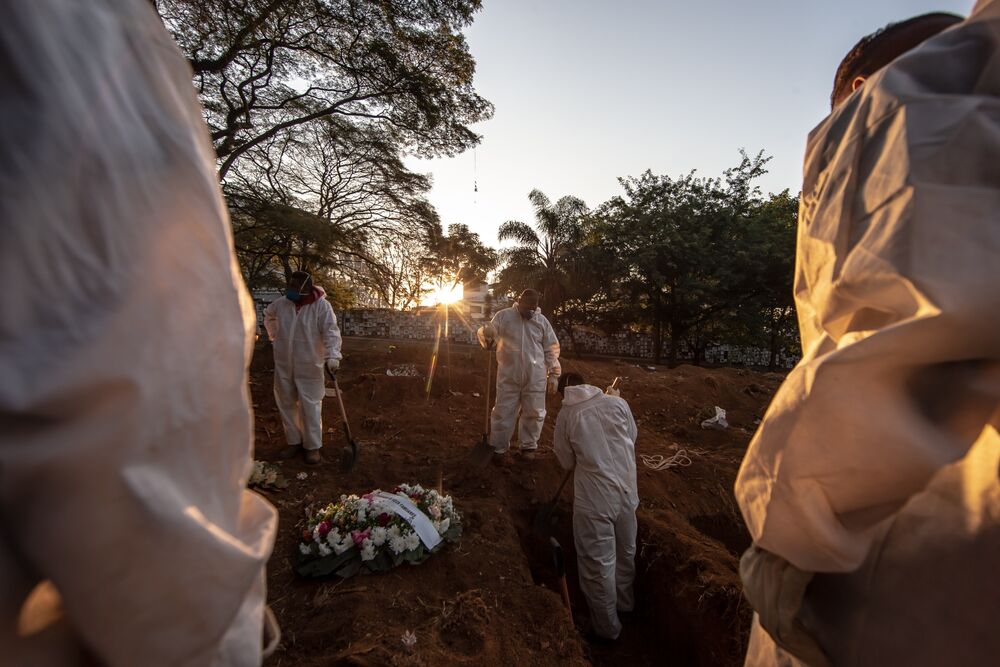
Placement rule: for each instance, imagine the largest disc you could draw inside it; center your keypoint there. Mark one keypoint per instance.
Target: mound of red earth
(493, 598)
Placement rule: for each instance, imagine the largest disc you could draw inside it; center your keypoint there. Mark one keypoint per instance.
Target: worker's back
(601, 433)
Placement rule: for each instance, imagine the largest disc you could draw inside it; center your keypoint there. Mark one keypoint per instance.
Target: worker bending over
(595, 437)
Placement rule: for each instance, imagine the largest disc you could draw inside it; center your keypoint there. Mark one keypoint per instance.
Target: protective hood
(580, 393)
(595, 434)
(317, 294)
(895, 288)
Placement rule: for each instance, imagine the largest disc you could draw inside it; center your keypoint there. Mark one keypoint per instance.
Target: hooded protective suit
(878, 457)
(527, 353)
(303, 337)
(595, 435)
(125, 422)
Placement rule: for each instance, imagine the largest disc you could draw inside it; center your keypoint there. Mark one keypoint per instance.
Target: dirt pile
(493, 598)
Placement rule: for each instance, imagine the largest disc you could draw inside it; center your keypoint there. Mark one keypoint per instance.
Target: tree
(772, 310)
(542, 255)
(264, 67)
(328, 197)
(273, 239)
(684, 249)
(458, 257)
(395, 272)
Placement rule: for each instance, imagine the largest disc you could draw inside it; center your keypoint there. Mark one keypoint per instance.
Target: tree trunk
(657, 328)
(657, 340)
(772, 361)
(674, 336)
(674, 333)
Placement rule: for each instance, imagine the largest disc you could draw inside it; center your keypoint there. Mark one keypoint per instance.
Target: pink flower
(360, 536)
(324, 527)
(369, 497)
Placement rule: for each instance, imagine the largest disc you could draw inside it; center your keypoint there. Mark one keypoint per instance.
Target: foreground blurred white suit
(595, 436)
(125, 423)
(878, 457)
(527, 353)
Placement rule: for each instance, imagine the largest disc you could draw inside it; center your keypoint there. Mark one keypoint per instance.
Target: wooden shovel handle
(565, 596)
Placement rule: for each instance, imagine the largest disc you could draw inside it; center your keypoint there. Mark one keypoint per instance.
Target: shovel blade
(482, 454)
(349, 457)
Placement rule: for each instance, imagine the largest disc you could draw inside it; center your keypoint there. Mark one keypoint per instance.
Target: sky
(588, 91)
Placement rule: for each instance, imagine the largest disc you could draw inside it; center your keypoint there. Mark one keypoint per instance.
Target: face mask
(293, 294)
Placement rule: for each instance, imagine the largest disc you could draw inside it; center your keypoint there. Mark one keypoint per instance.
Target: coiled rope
(661, 462)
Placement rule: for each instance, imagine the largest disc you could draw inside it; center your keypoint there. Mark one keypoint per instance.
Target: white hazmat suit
(595, 436)
(303, 338)
(527, 353)
(125, 422)
(877, 462)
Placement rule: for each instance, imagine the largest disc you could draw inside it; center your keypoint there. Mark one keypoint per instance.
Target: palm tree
(544, 254)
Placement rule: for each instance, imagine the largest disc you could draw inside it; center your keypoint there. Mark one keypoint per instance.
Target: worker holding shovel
(595, 436)
(527, 367)
(306, 339)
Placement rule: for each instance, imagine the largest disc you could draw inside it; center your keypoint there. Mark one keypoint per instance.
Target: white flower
(324, 550)
(443, 526)
(379, 535)
(304, 548)
(302, 475)
(394, 531)
(409, 640)
(397, 544)
(367, 550)
(362, 517)
(411, 541)
(343, 544)
(435, 511)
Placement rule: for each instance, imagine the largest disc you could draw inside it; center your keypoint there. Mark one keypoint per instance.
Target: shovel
(482, 451)
(349, 455)
(542, 524)
(560, 564)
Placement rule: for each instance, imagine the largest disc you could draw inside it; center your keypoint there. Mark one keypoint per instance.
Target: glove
(553, 385)
(775, 589)
(332, 365)
(487, 335)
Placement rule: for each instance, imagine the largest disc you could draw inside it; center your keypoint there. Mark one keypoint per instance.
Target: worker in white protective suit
(527, 367)
(127, 536)
(303, 329)
(595, 437)
(871, 489)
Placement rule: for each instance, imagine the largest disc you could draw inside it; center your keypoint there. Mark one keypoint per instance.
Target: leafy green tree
(771, 310)
(683, 245)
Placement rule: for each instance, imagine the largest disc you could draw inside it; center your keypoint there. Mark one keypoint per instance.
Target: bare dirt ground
(492, 599)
